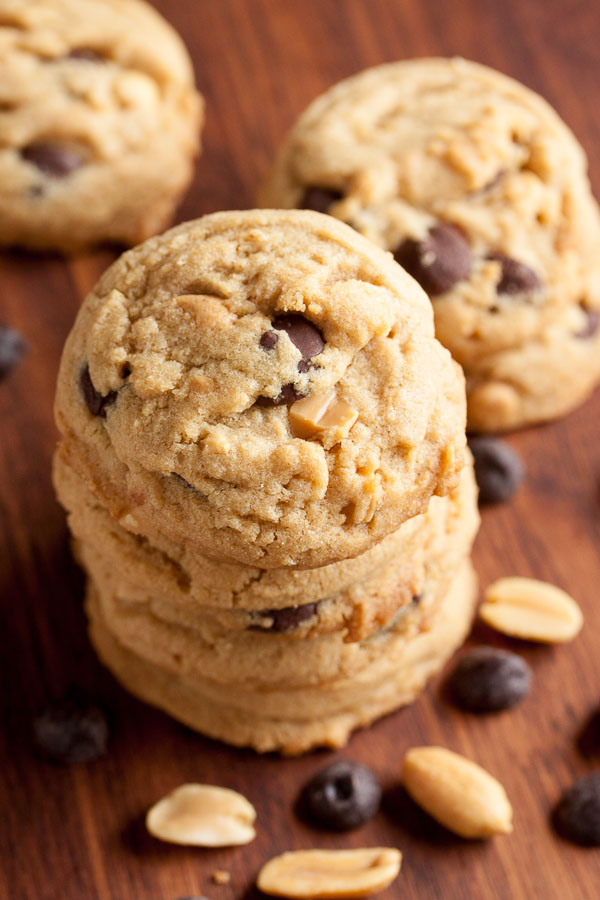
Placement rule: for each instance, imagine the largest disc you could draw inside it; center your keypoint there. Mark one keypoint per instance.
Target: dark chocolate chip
(268, 340)
(487, 679)
(498, 469)
(439, 261)
(12, 349)
(591, 325)
(286, 619)
(288, 395)
(341, 796)
(87, 54)
(53, 158)
(577, 816)
(302, 333)
(71, 731)
(320, 199)
(95, 402)
(516, 277)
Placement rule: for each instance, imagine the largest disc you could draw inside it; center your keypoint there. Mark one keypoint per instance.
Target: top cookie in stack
(265, 388)
(481, 192)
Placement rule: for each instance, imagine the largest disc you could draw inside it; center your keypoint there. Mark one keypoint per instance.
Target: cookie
(261, 387)
(352, 598)
(294, 720)
(100, 122)
(202, 647)
(481, 193)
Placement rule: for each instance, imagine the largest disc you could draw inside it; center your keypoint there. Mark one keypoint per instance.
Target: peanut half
(325, 874)
(457, 792)
(530, 609)
(202, 815)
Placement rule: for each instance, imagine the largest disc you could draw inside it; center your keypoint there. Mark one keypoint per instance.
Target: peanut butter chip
(324, 874)
(202, 815)
(318, 413)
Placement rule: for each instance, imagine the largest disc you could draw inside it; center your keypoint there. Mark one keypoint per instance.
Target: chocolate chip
(302, 333)
(439, 261)
(53, 158)
(516, 277)
(591, 325)
(87, 54)
(577, 816)
(320, 199)
(286, 397)
(95, 402)
(341, 796)
(487, 680)
(12, 349)
(498, 469)
(71, 731)
(268, 340)
(286, 619)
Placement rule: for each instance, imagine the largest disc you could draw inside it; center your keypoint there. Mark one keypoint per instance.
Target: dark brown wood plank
(78, 832)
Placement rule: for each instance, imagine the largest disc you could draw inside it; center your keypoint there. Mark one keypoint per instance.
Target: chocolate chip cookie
(262, 388)
(220, 601)
(396, 663)
(481, 193)
(100, 122)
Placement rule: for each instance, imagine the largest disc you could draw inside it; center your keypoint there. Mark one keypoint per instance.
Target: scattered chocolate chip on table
(12, 349)
(487, 679)
(341, 796)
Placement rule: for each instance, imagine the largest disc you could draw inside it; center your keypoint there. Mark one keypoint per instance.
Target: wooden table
(77, 833)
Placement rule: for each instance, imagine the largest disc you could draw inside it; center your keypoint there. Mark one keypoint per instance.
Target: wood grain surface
(77, 833)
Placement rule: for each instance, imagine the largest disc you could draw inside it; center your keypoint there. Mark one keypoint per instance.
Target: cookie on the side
(482, 194)
(100, 122)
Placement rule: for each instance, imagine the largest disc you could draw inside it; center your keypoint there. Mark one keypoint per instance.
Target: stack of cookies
(263, 460)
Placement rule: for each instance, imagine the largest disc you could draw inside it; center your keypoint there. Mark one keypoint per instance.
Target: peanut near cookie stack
(263, 461)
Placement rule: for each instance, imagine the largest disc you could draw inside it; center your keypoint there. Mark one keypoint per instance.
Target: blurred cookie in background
(99, 121)
(481, 192)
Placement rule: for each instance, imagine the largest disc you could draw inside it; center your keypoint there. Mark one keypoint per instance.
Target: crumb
(221, 877)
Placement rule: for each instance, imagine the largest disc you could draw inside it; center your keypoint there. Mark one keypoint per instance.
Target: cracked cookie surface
(100, 122)
(481, 192)
(262, 387)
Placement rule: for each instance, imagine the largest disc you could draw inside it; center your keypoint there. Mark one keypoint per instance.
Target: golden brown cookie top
(277, 376)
